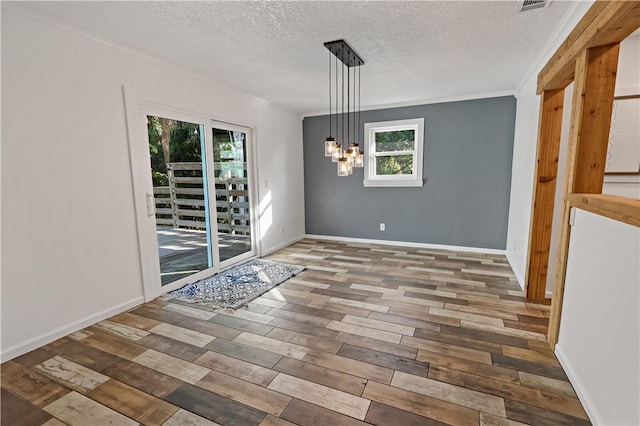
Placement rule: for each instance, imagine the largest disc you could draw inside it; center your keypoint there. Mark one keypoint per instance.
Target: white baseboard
(519, 275)
(583, 396)
(281, 246)
(31, 344)
(408, 244)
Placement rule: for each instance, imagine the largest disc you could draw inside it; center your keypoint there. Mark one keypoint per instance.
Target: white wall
(69, 247)
(628, 76)
(599, 341)
(626, 149)
(524, 149)
(623, 185)
(522, 169)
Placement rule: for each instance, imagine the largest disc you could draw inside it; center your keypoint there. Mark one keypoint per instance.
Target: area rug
(239, 285)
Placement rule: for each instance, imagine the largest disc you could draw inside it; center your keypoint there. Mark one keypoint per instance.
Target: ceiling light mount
(347, 54)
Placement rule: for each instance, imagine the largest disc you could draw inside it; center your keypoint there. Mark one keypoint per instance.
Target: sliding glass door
(179, 173)
(233, 192)
(202, 197)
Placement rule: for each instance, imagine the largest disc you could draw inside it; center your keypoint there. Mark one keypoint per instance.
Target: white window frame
(370, 130)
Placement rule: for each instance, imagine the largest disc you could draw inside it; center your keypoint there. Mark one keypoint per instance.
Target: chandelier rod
(348, 106)
(359, 106)
(336, 141)
(330, 128)
(342, 105)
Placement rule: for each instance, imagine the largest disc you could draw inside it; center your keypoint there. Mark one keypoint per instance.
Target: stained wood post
(594, 85)
(544, 190)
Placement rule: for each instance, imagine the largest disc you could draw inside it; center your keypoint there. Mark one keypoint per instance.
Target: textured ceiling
(413, 51)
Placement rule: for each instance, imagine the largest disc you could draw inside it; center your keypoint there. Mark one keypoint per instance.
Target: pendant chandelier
(344, 148)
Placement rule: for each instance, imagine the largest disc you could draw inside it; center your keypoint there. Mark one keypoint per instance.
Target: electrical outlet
(382, 227)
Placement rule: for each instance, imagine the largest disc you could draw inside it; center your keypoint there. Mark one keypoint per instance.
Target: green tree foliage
(394, 165)
(222, 141)
(399, 140)
(184, 145)
(158, 167)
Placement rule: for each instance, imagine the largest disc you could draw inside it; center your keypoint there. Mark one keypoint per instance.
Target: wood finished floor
(367, 334)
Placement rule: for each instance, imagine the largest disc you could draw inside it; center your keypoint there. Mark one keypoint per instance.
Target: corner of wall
(268, 251)
(510, 255)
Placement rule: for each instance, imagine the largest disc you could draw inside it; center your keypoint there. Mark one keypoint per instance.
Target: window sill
(393, 183)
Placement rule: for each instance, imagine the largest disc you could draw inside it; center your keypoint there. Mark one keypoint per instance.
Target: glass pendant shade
(336, 154)
(359, 161)
(329, 146)
(343, 167)
(349, 155)
(355, 149)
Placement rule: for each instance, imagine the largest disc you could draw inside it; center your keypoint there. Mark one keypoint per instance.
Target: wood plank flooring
(367, 334)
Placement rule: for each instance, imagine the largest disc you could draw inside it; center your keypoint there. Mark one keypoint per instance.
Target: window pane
(178, 173)
(394, 165)
(232, 193)
(398, 140)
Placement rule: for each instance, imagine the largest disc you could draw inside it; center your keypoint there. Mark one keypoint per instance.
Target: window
(393, 154)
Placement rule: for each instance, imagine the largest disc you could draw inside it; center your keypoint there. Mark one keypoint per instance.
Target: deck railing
(181, 204)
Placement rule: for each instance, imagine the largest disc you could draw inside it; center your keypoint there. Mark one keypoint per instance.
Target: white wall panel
(599, 341)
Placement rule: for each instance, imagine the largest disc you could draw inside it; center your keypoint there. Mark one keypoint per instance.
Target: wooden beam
(595, 79)
(622, 209)
(605, 23)
(544, 191)
(599, 65)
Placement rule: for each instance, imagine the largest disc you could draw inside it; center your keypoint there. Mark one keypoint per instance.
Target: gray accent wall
(468, 148)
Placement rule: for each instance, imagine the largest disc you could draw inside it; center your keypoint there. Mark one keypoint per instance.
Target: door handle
(151, 205)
